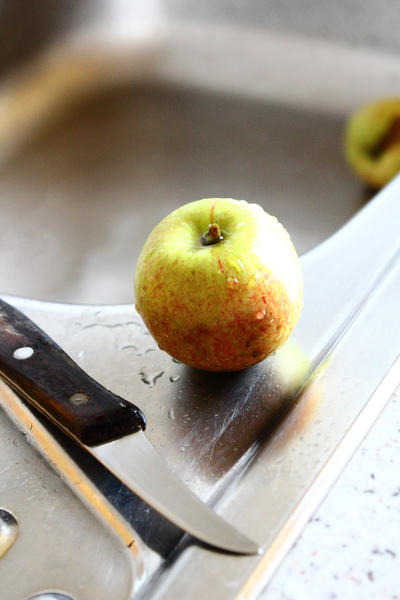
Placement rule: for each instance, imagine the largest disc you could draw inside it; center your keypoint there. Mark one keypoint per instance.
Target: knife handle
(37, 368)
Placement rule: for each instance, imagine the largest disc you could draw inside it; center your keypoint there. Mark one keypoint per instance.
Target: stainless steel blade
(94, 416)
(139, 466)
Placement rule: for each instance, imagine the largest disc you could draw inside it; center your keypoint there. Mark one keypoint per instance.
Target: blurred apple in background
(372, 142)
(218, 284)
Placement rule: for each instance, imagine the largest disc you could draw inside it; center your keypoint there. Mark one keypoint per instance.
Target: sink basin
(104, 132)
(87, 191)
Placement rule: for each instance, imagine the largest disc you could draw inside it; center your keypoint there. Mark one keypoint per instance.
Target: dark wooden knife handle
(37, 368)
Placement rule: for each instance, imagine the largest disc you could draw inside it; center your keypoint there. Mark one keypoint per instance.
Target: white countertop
(350, 548)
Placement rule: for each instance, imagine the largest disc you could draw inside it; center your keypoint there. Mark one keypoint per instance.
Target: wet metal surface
(195, 111)
(262, 445)
(48, 537)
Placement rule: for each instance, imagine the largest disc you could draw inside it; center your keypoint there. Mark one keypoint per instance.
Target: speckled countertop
(350, 548)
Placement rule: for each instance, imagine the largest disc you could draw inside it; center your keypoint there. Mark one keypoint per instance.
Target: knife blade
(106, 425)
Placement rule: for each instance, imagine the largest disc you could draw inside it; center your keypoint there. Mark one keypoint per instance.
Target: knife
(107, 426)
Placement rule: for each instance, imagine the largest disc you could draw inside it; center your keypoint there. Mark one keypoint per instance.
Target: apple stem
(212, 236)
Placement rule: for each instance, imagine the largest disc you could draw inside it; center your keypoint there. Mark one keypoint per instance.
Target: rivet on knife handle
(36, 367)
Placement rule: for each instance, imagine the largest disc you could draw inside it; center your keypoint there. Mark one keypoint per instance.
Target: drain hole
(9, 530)
(50, 596)
(23, 353)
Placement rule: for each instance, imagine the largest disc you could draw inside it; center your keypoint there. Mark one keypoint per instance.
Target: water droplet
(150, 378)
(129, 347)
(233, 263)
(186, 418)
(174, 378)
(253, 280)
(143, 351)
(260, 314)
(171, 414)
(232, 282)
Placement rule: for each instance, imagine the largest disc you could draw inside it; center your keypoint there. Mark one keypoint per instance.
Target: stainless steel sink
(113, 114)
(87, 191)
(124, 115)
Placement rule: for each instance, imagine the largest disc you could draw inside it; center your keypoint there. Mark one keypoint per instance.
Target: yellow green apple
(372, 142)
(218, 284)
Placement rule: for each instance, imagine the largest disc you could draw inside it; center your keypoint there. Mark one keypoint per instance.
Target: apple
(372, 142)
(218, 284)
